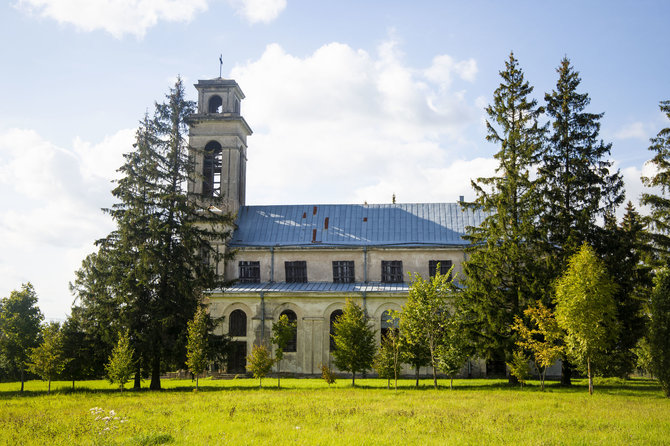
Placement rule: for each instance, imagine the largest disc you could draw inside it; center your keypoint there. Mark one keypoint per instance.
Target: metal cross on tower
(220, 64)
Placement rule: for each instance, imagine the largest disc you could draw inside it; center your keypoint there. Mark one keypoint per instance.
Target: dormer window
(215, 104)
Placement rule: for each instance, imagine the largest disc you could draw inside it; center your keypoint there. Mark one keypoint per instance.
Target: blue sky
(349, 101)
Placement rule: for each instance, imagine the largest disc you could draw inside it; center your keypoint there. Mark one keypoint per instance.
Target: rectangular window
(343, 271)
(250, 272)
(392, 271)
(296, 272)
(445, 265)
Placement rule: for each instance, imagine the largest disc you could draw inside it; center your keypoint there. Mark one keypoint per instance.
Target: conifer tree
(502, 272)
(120, 366)
(659, 330)
(659, 217)
(161, 255)
(576, 178)
(626, 252)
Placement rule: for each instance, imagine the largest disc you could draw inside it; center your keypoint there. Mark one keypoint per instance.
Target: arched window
(333, 317)
(215, 104)
(237, 106)
(292, 344)
(388, 323)
(237, 323)
(211, 170)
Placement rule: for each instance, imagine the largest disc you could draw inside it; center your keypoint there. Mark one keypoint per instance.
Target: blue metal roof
(434, 224)
(312, 287)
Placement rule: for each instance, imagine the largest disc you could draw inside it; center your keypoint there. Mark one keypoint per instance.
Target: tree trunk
(353, 379)
(137, 384)
(388, 384)
(588, 365)
(451, 383)
(156, 373)
(21, 380)
(73, 385)
(260, 382)
(417, 377)
(434, 376)
(542, 376)
(278, 374)
(566, 373)
(196, 382)
(49, 387)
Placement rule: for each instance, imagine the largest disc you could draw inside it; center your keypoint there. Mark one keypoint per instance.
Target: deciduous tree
(47, 359)
(20, 319)
(585, 308)
(454, 349)
(260, 362)
(389, 358)
(541, 336)
(282, 332)
(354, 339)
(425, 314)
(197, 344)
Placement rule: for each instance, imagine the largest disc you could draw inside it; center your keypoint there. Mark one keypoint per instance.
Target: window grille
(343, 271)
(296, 272)
(250, 272)
(392, 271)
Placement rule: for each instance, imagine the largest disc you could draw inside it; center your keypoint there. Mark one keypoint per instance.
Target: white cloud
(51, 199)
(344, 125)
(255, 11)
(117, 17)
(635, 130)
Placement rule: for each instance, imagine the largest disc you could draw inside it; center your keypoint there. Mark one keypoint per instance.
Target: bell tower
(218, 143)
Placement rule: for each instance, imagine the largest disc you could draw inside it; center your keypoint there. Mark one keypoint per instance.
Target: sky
(349, 101)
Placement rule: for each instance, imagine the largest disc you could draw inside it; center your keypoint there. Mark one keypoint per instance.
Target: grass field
(308, 412)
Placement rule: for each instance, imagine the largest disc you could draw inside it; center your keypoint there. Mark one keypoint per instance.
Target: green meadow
(308, 412)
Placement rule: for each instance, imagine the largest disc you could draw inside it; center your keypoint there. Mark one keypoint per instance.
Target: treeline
(550, 273)
(529, 292)
(148, 276)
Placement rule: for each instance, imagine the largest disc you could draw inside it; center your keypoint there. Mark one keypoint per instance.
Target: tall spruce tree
(575, 177)
(659, 203)
(502, 273)
(577, 181)
(160, 257)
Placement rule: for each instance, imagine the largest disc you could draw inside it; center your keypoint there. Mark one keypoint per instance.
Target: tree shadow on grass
(643, 387)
